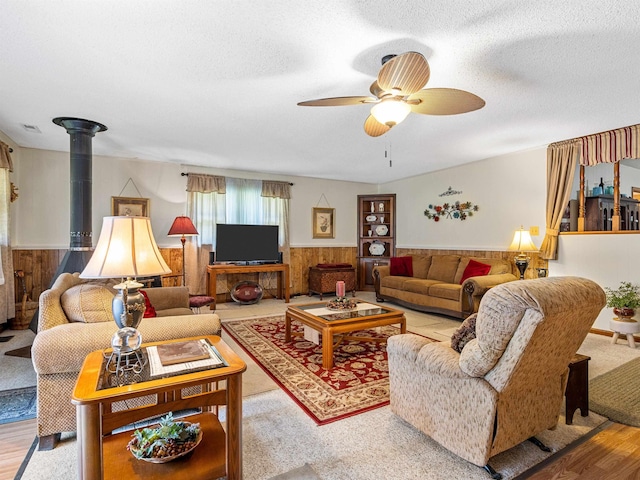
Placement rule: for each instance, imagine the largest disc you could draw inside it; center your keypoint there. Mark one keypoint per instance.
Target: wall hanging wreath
(459, 210)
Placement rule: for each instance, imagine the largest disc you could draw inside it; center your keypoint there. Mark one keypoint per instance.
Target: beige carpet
(616, 394)
(16, 372)
(278, 438)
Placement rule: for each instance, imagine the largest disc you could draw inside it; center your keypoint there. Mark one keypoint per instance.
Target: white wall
(607, 259)
(40, 216)
(509, 190)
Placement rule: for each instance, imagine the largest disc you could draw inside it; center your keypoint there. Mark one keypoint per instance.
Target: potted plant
(624, 299)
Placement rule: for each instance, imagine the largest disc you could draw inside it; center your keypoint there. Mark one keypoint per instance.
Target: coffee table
(103, 455)
(331, 322)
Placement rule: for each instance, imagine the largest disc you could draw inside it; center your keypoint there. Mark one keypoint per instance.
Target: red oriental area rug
(358, 382)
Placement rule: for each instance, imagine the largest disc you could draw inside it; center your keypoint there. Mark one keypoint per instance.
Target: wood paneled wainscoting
(39, 266)
(301, 258)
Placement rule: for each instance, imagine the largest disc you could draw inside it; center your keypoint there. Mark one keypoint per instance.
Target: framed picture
(130, 206)
(323, 222)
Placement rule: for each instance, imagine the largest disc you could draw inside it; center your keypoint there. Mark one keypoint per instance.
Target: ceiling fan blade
(444, 101)
(374, 128)
(337, 101)
(406, 73)
(376, 90)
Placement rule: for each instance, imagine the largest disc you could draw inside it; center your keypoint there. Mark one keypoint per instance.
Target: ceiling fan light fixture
(390, 111)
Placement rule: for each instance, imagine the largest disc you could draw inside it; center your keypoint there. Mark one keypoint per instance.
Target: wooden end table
(577, 391)
(103, 455)
(330, 323)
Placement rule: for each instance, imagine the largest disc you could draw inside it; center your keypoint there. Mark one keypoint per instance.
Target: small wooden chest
(323, 280)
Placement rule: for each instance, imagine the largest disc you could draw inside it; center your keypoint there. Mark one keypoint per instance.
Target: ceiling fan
(398, 91)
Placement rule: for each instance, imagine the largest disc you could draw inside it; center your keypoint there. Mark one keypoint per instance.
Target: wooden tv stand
(282, 268)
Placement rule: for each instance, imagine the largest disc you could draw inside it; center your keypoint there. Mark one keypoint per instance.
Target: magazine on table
(193, 362)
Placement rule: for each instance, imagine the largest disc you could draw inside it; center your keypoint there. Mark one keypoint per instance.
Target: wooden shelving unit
(376, 235)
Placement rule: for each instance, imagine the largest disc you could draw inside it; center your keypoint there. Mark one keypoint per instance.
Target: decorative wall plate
(371, 218)
(376, 248)
(381, 230)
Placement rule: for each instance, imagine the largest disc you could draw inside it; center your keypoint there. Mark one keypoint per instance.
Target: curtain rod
(183, 174)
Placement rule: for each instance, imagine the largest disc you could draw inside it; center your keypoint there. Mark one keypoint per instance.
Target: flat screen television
(246, 243)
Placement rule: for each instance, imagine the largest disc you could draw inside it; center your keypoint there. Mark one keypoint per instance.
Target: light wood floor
(612, 454)
(15, 440)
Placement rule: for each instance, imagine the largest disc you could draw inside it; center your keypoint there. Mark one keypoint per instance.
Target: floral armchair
(507, 384)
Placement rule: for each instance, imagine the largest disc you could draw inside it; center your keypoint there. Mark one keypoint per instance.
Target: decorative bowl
(342, 304)
(164, 446)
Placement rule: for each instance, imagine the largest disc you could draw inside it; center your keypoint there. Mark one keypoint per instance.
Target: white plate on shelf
(376, 248)
(382, 230)
(371, 218)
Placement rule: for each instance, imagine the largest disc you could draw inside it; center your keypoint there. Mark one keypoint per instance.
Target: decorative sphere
(126, 340)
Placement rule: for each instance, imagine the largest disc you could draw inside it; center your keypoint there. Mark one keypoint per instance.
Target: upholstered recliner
(508, 383)
(75, 319)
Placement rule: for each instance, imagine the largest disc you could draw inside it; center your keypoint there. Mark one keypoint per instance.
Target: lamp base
(126, 362)
(522, 264)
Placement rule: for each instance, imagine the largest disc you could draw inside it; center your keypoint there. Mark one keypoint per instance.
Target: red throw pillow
(475, 269)
(401, 266)
(149, 310)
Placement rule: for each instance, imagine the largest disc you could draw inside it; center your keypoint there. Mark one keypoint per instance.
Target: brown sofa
(435, 285)
(75, 319)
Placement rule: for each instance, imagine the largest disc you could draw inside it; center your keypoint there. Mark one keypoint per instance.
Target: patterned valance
(5, 157)
(276, 189)
(606, 147)
(201, 183)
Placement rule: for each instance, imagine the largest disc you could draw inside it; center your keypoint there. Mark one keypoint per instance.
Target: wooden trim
(609, 333)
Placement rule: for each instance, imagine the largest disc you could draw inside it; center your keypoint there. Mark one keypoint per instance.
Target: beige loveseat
(508, 383)
(435, 285)
(74, 319)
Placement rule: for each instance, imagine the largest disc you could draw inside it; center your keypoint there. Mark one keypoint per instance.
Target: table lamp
(126, 248)
(522, 243)
(182, 227)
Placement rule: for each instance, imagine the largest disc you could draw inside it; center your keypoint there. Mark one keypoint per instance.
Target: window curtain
(562, 159)
(7, 300)
(610, 147)
(206, 206)
(276, 198)
(244, 204)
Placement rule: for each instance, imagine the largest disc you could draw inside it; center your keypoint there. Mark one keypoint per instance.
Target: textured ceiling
(216, 83)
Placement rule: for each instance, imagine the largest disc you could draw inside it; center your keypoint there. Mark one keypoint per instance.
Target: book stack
(182, 357)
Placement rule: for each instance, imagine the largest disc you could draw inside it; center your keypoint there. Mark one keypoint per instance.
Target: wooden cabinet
(376, 235)
(599, 213)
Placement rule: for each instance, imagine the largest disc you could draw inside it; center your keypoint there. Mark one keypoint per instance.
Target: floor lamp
(182, 227)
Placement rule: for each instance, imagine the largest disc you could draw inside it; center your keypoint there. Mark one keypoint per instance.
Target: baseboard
(609, 333)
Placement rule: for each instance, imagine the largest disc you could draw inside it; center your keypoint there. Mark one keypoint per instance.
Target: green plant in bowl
(166, 441)
(624, 299)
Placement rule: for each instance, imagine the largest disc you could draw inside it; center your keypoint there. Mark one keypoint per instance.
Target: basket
(24, 313)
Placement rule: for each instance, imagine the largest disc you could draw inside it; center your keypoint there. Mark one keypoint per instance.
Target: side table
(101, 411)
(323, 280)
(627, 328)
(577, 391)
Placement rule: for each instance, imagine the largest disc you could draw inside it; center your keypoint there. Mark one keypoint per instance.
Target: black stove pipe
(81, 133)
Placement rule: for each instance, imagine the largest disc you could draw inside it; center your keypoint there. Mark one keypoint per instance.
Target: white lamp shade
(126, 248)
(390, 111)
(522, 242)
